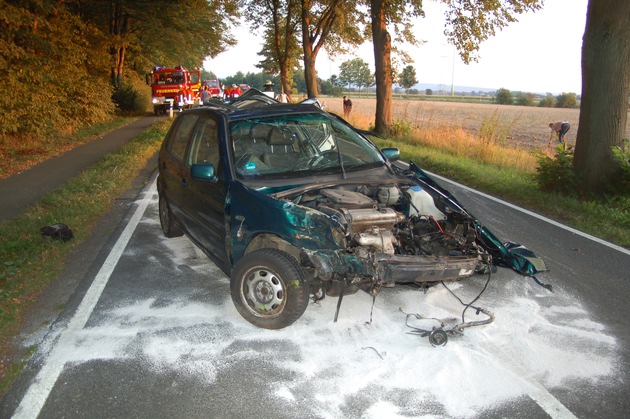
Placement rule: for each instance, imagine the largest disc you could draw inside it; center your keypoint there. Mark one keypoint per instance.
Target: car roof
(255, 103)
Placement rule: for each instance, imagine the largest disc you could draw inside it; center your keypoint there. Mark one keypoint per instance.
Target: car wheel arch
(272, 241)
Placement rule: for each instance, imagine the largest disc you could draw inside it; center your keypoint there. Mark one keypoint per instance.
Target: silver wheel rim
(263, 292)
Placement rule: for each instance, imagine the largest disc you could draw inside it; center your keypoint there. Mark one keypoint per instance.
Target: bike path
(24, 189)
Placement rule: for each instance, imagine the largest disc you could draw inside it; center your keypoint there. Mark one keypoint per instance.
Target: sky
(541, 53)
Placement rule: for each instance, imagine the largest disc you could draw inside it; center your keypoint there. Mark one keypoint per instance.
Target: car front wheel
(269, 289)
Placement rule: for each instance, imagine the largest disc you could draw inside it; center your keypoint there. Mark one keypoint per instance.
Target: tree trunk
(310, 53)
(383, 66)
(605, 89)
(118, 29)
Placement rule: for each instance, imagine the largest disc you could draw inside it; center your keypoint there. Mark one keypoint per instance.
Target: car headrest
(278, 137)
(259, 132)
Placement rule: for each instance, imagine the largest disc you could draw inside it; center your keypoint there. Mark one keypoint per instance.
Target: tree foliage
(144, 33)
(63, 61)
(407, 78)
(280, 21)
(525, 99)
(469, 23)
(566, 100)
(504, 97)
(548, 101)
(54, 77)
(355, 72)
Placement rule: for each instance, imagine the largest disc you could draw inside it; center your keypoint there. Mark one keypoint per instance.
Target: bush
(401, 128)
(555, 174)
(132, 97)
(622, 155)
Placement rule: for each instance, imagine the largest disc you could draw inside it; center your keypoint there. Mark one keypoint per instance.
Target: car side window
(181, 136)
(205, 144)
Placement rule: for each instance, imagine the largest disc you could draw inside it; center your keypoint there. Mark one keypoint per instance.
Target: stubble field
(526, 126)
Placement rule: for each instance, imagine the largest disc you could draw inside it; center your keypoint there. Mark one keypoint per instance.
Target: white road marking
(35, 397)
(533, 214)
(537, 392)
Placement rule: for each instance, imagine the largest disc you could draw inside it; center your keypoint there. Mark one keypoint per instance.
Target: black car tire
(269, 288)
(167, 222)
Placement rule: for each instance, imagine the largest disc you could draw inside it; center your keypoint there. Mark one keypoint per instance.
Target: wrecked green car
(294, 204)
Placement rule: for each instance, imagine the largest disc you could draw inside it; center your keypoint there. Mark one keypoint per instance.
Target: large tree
(282, 25)
(605, 89)
(399, 15)
(329, 24)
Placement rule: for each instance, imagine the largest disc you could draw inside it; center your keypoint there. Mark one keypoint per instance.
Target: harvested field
(527, 126)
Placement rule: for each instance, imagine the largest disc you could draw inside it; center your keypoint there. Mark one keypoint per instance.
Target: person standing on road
(204, 95)
(236, 91)
(560, 128)
(347, 107)
(227, 92)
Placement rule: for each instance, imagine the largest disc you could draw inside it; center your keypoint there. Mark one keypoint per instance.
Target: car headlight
(339, 236)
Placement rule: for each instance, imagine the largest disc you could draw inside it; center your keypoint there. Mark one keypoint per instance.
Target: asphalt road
(148, 330)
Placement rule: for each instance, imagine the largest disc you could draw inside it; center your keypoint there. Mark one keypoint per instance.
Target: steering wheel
(318, 160)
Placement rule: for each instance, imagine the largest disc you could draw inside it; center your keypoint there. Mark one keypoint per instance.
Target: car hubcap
(264, 293)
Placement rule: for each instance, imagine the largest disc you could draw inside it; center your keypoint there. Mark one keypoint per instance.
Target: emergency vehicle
(175, 88)
(214, 87)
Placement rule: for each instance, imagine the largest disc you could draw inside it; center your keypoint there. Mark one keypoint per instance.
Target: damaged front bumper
(384, 268)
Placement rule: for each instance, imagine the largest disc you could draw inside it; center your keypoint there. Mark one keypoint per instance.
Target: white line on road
(36, 395)
(533, 214)
(537, 391)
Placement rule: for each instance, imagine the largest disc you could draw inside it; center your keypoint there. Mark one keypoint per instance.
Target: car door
(174, 173)
(204, 200)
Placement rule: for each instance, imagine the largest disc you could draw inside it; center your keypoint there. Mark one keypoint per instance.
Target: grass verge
(30, 263)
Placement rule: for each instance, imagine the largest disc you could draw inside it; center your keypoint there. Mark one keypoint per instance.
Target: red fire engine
(173, 87)
(214, 87)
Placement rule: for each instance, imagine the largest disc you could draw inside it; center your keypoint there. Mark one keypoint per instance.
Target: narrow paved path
(24, 189)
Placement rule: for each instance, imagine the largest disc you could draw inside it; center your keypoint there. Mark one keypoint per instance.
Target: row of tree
(62, 61)
(565, 100)
(336, 25)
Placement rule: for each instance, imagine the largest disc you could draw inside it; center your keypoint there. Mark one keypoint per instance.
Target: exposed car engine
(397, 220)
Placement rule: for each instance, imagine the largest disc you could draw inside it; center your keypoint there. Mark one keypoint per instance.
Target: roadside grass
(30, 263)
(20, 153)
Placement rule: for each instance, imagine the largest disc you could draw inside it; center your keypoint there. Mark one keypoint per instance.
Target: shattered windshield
(299, 146)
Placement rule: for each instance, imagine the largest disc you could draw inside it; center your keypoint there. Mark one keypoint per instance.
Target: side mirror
(203, 171)
(392, 154)
(148, 79)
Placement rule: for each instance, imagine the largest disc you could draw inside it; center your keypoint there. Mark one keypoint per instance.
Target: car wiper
(343, 169)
